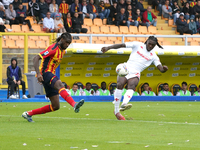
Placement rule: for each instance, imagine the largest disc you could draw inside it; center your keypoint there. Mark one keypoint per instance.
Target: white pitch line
(96, 119)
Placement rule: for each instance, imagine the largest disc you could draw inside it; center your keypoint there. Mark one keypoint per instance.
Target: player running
(141, 57)
(51, 58)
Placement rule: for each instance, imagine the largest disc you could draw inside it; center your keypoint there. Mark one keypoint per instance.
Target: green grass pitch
(151, 125)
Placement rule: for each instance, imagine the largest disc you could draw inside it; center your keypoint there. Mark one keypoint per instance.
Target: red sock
(63, 93)
(42, 110)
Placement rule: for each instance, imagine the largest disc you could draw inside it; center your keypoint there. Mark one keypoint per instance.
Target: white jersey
(140, 58)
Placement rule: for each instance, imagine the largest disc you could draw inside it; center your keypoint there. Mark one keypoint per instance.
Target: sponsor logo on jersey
(143, 55)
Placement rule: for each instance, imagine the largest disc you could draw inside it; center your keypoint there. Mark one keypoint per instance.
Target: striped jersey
(63, 8)
(51, 58)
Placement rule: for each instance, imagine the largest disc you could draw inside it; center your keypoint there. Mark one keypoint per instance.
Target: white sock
(117, 99)
(127, 96)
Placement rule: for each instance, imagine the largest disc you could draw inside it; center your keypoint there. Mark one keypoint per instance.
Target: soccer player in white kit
(141, 57)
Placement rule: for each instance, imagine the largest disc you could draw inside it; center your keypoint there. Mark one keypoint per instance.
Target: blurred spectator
(77, 24)
(196, 9)
(175, 7)
(149, 18)
(131, 17)
(128, 2)
(184, 91)
(64, 9)
(108, 3)
(113, 13)
(139, 18)
(166, 10)
(187, 10)
(1, 4)
(48, 23)
(88, 91)
(11, 15)
(58, 24)
(134, 3)
(74, 91)
(141, 7)
(3, 15)
(68, 23)
(161, 3)
(76, 7)
(48, 2)
(44, 8)
(65, 85)
(53, 8)
(85, 10)
(121, 18)
(198, 24)
(16, 4)
(147, 91)
(34, 10)
(197, 93)
(6, 3)
(193, 3)
(92, 9)
(182, 26)
(193, 25)
(103, 91)
(176, 15)
(165, 91)
(103, 10)
(21, 16)
(121, 5)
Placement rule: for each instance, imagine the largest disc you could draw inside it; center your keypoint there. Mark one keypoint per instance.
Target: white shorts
(132, 73)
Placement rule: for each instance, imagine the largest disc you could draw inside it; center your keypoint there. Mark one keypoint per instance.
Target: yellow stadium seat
(95, 29)
(4, 44)
(33, 37)
(133, 30)
(131, 39)
(114, 29)
(117, 42)
(37, 28)
(20, 43)
(165, 43)
(84, 38)
(21, 37)
(12, 37)
(152, 30)
(143, 30)
(112, 38)
(41, 44)
(32, 44)
(108, 42)
(123, 30)
(11, 44)
(160, 39)
(16, 28)
(105, 30)
(97, 22)
(194, 43)
(87, 22)
(44, 38)
(78, 41)
(141, 39)
(103, 38)
(170, 22)
(25, 29)
(104, 21)
(87, 27)
(99, 42)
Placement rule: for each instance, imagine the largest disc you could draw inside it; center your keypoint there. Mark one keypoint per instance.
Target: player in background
(51, 58)
(141, 57)
(165, 91)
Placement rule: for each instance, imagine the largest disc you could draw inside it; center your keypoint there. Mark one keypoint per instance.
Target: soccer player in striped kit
(51, 59)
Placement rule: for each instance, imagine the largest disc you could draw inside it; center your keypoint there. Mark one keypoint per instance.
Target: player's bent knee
(120, 86)
(56, 107)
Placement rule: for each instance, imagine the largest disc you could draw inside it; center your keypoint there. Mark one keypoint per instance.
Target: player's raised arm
(115, 46)
(162, 69)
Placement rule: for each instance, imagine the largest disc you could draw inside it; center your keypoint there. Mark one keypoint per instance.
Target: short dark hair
(75, 84)
(165, 84)
(103, 82)
(146, 83)
(184, 83)
(88, 83)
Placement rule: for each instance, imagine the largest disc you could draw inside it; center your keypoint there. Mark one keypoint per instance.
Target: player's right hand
(40, 78)
(104, 49)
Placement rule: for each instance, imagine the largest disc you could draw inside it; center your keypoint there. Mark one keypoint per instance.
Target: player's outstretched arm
(162, 69)
(36, 66)
(115, 46)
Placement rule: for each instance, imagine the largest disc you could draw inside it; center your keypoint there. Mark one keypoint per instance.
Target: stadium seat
(112, 38)
(111, 87)
(99, 42)
(123, 30)
(165, 43)
(44, 38)
(192, 88)
(160, 39)
(37, 28)
(104, 21)
(20, 43)
(7, 26)
(41, 44)
(109, 42)
(87, 22)
(152, 30)
(114, 29)
(32, 44)
(194, 43)
(118, 42)
(130, 39)
(16, 28)
(97, 22)
(11, 44)
(95, 29)
(33, 37)
(21, 37)
(4, 44)
(195, 39)
(25, 29)
(12, 37)
(175, 88)
(133, 30)
(84, 38)
(103, 38)
(105, 29)
(142, 30)
(80, 85)
(87, 27)
(159, 87)
(95, 87)
(78, 41)
(141, 39)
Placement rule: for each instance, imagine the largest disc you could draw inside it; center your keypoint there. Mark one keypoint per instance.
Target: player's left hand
(19, 82)
(104, 49)
(165, 68)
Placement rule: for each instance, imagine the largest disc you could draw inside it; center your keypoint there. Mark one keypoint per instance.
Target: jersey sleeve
(131, 44)
(156, 61)
(47, 53)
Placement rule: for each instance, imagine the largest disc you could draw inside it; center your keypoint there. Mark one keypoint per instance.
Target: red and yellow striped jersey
(63, 8)
(51, 58)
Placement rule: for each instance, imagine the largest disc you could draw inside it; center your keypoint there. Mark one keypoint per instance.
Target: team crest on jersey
(46, 53)
(141, 47)
(151, 54)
